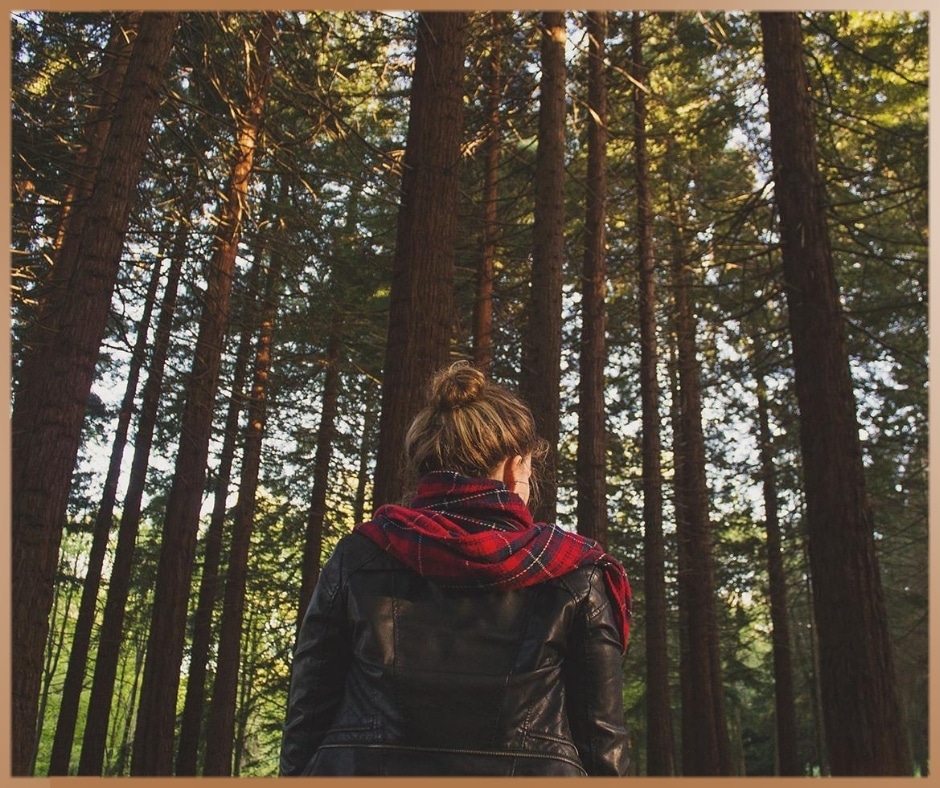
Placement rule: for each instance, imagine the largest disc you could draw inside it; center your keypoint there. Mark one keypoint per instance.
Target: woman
(455, 636)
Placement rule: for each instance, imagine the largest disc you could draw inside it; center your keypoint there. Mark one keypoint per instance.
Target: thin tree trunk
(156, 717)
(693, 684)
(787, 756)
(187, 753)
(56, 639)
(705, 742)
(592, 411)
(121, 764)
(111, 634)
(220, 728)
(865, 728)
(660, 743)
(483, 306)
(421, 313)
(359, 502)
(819, 727)
(326, 434)
(246, 697)
(61, 756)
(58, 371)
(119, 715)
(540, 379)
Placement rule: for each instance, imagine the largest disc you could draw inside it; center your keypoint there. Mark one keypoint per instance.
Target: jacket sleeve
(594, 685)
(318, 672)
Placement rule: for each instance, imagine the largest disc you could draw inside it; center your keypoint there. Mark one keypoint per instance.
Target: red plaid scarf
(475, 533)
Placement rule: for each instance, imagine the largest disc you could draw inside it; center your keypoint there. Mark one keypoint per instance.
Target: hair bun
(457, 386)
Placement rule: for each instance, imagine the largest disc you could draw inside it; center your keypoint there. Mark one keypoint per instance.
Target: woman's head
(470, 426)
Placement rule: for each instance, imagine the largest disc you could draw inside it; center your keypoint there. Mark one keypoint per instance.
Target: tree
(705, 744)
(104, 520)
(326, 433)
(592, 429)
(110, 635)
(540, 376)
(421, 303)
(221, 724)
(865, 732)
(779, 609)
(659, 734)
(58, 372)
(187, 753)
(153, 741)
(483, 305)
(107, 90)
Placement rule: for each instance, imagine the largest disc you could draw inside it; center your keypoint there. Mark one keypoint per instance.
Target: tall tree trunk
(540, 379)
(660, 742)
(705, 744)
(187, 753)
(115, 59)
(592, 412)
(156, 718)
(785, 703)
(692, 686)
(220, 728)
(111, 634)
(326, 434)
(483, 306)
(865, 729)
(104, 519)
(421, 302)
(58, 370)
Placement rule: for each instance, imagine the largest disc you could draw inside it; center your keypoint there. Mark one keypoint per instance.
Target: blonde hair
(470, 425)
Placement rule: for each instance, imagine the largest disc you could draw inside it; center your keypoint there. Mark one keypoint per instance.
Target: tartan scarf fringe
(474, 533)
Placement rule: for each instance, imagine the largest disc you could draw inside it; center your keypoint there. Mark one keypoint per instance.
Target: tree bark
(111, 634)
(156, 718)
(592, 411)
(483, 306)
(210, 582)
(115, 60)
(61, 755)
(865, 729)
(540, 379)
(220, 729)
(368, 428)
(58, 370)
(706, 748)
(421, 309)
(326, 434)
(660, 741)
(788, 762)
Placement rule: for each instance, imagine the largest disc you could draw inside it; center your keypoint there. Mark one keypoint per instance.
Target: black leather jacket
(394, 675)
